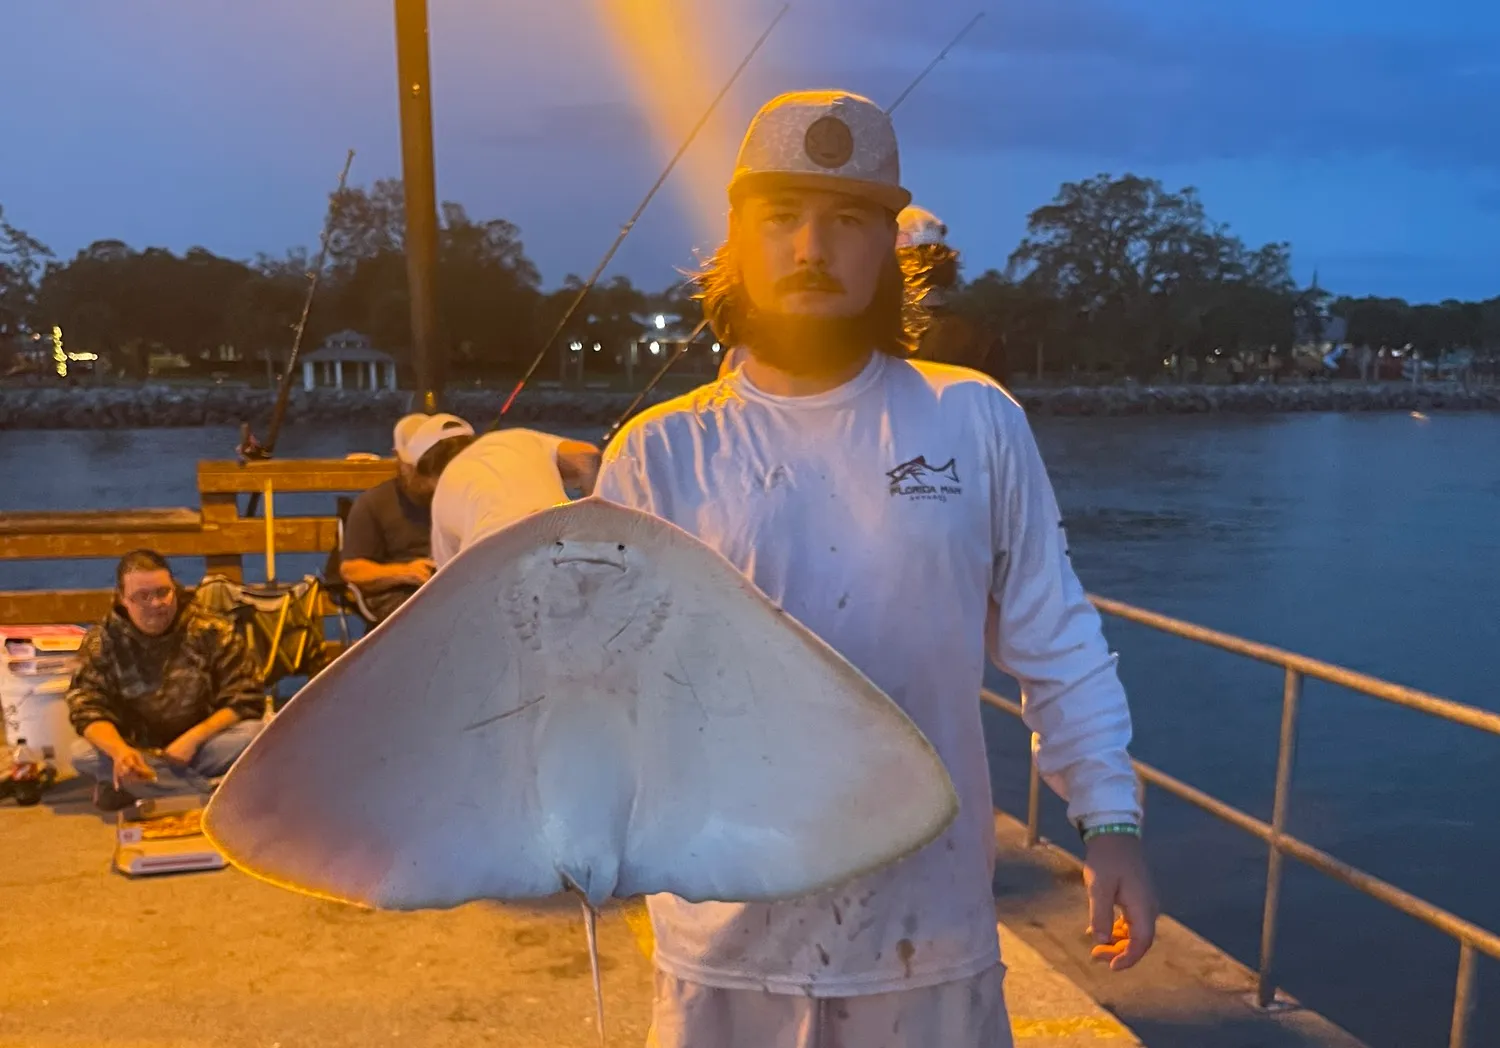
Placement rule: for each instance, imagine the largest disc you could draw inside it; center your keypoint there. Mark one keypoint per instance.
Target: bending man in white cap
(386, 552)
(482, 484)
(901, 510)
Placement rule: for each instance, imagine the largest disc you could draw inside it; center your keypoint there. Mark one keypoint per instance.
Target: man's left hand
(182, 749)
(1114, 872)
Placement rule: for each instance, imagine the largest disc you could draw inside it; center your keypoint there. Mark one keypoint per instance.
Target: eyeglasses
(156, 595)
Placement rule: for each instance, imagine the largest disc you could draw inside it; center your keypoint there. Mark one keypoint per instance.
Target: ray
(589, 700)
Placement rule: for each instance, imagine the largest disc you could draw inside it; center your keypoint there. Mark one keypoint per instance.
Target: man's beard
(802, 344)
(809, 345)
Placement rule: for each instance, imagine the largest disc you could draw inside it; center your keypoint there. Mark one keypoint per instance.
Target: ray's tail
(591, 925)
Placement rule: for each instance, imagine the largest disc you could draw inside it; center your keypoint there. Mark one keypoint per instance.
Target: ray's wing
(378, 784)
(769, 766)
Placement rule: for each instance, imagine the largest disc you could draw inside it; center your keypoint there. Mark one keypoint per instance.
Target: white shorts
(968, 1013)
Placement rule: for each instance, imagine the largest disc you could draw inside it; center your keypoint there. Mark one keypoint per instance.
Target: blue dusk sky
(1361, 132)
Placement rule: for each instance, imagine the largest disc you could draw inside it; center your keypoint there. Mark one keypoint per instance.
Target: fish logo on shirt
(919, 479)
(918, 469)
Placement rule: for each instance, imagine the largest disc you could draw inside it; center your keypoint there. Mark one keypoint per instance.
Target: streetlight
(661, 322)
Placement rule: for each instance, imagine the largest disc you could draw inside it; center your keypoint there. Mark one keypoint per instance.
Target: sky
(1360, 132)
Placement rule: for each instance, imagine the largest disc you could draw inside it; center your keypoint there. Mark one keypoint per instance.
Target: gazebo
(371, 369)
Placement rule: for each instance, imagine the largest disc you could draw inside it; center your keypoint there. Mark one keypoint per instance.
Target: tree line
(1115, 275)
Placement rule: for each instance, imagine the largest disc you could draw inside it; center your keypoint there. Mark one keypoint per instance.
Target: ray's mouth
(610, 559)
(582, 558)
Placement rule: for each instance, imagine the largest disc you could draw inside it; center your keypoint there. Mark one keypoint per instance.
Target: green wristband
(1128, 828)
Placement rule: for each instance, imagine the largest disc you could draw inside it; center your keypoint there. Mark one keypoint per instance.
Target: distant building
(348, 353)
(1334, 333)
(664, 334)
(41, 354)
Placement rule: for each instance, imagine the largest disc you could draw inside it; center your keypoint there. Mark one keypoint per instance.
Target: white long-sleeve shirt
(494, 482)
(907, 519)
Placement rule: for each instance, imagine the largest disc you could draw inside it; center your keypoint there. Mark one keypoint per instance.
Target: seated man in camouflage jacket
(162, 687)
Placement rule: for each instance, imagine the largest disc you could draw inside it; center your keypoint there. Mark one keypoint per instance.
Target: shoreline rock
(148, 406)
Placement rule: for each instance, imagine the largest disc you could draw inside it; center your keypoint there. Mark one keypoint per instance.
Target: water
(1366, 540)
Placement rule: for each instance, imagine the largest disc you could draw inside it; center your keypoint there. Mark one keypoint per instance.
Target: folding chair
(281, 622)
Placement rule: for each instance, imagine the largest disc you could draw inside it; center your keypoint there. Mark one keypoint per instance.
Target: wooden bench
(217, 530)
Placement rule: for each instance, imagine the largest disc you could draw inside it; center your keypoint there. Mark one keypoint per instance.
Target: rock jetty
(44, 407)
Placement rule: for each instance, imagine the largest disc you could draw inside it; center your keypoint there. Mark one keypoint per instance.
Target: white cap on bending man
(405, 428)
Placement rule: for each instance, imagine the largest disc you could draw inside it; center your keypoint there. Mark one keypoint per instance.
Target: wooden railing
(216, 530)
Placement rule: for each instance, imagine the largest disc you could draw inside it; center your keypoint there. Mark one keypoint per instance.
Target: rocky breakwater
(57, 407)
(1133, 399)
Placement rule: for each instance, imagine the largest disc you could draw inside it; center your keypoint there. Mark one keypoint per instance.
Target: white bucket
(40, 716)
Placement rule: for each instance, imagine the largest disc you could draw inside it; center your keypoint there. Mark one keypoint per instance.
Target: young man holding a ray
(899, 509)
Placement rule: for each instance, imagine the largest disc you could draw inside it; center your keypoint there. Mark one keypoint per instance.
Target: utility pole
(428, 349)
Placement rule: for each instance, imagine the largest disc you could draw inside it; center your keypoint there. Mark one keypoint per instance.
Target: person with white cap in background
(387, 548)
(900, 509)
(930, 265)
(484, 483)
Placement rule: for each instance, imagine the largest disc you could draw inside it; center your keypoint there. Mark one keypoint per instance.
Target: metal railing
(1472, 939)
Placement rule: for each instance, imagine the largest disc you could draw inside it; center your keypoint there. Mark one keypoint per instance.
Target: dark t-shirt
(952, 339)
(388, 528)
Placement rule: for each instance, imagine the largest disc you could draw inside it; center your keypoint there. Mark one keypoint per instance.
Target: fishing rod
(630, 224)
(682, 347)
(672, 358)
(250, 448)
(931, 65)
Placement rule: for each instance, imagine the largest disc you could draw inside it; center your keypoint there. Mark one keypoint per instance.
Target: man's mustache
(809, 280)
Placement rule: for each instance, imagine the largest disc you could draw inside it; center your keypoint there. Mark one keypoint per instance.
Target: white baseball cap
(402, 434)
(918, 226)
(434, 430)
(822, 139)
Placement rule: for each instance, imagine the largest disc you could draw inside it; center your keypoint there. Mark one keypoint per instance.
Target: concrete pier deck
(91, 959)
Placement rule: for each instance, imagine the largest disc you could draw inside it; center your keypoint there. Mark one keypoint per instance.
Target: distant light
(57, 352)
(716, 347)
(661, 321)
(596, 347)
(655, 348)
(576, 347)
(83, 356)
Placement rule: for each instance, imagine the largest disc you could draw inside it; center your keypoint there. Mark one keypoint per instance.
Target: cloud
(578, 126)
(1094, 78)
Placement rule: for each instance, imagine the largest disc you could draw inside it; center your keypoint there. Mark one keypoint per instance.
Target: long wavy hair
(896, 315)
(929, 267)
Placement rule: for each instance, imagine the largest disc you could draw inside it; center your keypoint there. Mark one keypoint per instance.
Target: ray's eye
(621, 547)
